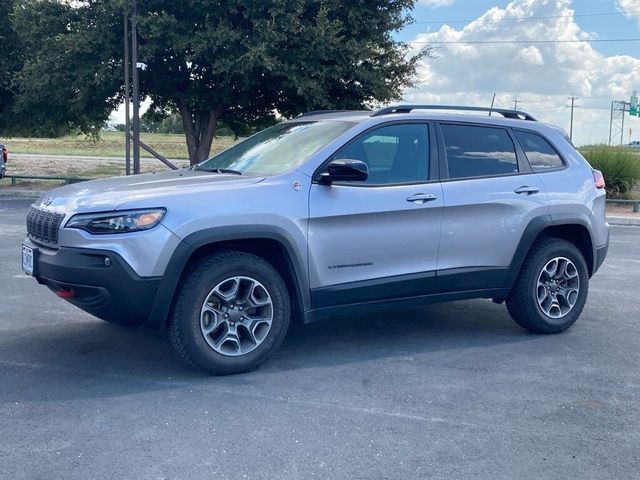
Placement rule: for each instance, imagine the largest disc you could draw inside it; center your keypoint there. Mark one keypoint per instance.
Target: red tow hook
(66, 293)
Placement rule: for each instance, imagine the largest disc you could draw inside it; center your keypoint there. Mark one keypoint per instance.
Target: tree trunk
(199, 128)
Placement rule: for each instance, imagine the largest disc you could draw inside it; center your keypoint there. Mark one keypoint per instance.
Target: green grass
(619, 165)
(110, 144)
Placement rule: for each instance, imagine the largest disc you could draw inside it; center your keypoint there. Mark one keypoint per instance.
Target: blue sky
(539, 75)
(609, 26)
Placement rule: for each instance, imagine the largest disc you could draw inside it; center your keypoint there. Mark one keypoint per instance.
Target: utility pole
(515, 103)
(136, 89)
(127, 96)
(573, 100)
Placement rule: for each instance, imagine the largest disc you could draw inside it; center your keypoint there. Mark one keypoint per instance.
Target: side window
(478, 151)
(394, 154)
(540, 153)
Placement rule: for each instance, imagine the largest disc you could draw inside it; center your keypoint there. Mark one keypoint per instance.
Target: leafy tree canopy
(238, 61)
(10, 62)
(71, 77)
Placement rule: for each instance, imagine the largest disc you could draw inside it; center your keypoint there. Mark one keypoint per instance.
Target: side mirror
(344, 170)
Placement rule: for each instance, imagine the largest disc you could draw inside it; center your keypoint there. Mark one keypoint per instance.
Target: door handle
(526, 190)
(422, 197)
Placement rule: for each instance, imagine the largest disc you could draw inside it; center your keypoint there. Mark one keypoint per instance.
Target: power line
(544, 97)
(504, 42)
(542, 17)
(585, 107)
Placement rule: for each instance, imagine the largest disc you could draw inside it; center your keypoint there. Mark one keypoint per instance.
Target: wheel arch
(574, 229)
(269, 242)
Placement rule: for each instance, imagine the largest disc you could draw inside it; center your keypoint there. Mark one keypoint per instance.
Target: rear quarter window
(541, 155)
(475, 151)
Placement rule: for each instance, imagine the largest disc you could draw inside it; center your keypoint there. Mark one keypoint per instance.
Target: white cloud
(540, 75)
(435, 3)
(630, 6)
(531, 55)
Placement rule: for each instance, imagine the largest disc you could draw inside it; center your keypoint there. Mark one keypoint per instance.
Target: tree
(238, 61)
(10, 63)
(71, 77)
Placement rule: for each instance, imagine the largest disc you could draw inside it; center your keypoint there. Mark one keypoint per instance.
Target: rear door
(378, 239)
(490, 196)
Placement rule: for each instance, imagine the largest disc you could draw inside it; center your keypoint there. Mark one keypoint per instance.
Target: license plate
(27, 259)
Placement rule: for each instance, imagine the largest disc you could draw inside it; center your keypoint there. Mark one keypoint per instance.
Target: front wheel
(551, 290)
(231, 314)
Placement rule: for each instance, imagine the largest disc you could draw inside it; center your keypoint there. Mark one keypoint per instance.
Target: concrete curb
(625, 221)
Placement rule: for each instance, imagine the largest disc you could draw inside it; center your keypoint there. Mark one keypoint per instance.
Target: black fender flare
(190, 244)
(533, 230)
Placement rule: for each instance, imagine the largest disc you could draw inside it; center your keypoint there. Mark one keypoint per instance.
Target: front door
(377, 239)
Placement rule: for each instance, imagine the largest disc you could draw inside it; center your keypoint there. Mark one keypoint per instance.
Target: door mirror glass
(344, 170)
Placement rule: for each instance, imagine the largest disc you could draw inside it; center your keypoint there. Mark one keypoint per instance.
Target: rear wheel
(551, 290)
(231, 314)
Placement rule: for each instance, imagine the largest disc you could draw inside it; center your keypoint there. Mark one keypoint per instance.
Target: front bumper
(108, 289)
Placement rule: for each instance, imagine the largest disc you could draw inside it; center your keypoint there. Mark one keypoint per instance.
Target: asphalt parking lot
(450, 391)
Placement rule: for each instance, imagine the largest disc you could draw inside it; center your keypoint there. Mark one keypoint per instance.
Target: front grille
(43, 225)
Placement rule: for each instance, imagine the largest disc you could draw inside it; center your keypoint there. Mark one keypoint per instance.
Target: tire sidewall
(189, 326)
(559, 250)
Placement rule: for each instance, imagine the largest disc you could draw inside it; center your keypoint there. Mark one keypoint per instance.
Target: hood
(113, 193)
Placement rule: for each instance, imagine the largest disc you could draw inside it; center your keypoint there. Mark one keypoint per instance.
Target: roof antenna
(492, 102)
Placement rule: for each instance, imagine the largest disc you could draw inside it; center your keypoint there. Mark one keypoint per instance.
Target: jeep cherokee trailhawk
(331, 212)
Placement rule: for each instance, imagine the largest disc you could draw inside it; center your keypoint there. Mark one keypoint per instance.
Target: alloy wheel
(558, 287)
(236, 316)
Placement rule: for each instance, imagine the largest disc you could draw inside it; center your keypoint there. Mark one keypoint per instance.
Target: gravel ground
(622, 211)
(79, 166)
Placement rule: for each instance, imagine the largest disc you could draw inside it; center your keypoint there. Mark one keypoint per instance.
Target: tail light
(598, 179)
(5, 155)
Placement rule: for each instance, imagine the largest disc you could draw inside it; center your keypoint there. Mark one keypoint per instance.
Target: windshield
(277, 149)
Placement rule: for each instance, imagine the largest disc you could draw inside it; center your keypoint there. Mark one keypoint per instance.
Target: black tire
(184, 330)
(522, 302)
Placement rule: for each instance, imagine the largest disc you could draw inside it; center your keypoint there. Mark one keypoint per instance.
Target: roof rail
(505, 112)
(321, 112)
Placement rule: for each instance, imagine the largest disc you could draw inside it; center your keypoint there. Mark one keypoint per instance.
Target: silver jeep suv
(332, 212)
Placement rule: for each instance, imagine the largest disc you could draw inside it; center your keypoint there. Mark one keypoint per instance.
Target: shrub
(619, 165)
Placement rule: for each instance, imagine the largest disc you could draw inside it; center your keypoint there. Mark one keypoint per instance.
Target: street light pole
(127, 96)
(136, 89)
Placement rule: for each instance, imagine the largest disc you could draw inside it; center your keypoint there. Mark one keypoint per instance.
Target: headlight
(118, 222)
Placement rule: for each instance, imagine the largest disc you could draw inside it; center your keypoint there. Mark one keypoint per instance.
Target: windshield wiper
(220, 170)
